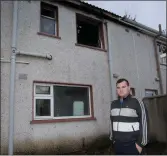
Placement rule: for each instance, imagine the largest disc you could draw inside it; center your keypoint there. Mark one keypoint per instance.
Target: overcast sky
(149, 13)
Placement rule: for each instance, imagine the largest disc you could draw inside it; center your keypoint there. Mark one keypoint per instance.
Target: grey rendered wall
(132, 58)
(6, 32)
(70, 64)
(164, 73)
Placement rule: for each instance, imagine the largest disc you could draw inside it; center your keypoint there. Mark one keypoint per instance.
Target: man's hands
(138, 148)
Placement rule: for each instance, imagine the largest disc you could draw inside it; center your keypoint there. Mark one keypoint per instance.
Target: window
(132, 91)
(150, 92)
(61, 101)
(49, 19)
(163, 58)
(89, 32)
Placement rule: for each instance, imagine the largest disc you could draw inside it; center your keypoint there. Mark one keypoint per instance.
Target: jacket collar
(126, 98)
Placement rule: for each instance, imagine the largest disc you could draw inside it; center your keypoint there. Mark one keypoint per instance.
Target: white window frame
(151, 90)
(163, 58)
(51, 97)
(43, 96)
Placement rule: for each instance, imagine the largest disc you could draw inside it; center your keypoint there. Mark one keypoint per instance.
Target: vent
(127, 30)
(22, 76)
(138, 34)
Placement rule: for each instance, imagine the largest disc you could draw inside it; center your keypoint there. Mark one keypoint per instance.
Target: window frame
(89, 19)
(54, 8)
(154, 90)
(163, 59)
(51, 96)
(43, 96)
(133, 90)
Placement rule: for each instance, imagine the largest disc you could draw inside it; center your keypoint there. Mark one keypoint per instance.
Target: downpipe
(12, 79)
(158, 61)
(110, 76)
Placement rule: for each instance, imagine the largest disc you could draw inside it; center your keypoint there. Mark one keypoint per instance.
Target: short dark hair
(121, 80)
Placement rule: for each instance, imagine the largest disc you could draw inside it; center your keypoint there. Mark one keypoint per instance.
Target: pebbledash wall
(70, 64)
(132, 58)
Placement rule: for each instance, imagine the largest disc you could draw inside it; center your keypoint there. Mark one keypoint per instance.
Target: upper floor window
(89, 32)
(49, 19)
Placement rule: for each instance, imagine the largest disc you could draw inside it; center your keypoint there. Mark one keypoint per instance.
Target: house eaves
(107, 15)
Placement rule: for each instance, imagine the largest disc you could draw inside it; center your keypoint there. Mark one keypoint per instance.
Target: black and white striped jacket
(129, 121)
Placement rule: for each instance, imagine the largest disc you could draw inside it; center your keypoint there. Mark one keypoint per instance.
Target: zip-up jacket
(129, 121)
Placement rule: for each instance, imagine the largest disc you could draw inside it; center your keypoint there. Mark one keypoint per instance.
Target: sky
(149, 13)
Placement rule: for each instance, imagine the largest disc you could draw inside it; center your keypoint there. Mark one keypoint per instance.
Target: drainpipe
(157, 60)
(46, 56)
(110, 74)
(109, 61)
(12, 79)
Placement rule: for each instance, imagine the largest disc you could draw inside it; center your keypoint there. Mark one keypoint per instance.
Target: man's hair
(121, 80)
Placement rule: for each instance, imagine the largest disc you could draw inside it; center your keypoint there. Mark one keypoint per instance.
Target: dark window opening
(47, 12)
(89, 32)
(43, 107)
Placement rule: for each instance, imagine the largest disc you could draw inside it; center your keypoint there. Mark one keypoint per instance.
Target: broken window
(89, 32)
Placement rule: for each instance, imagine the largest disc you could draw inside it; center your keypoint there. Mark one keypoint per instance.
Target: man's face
(123, 89)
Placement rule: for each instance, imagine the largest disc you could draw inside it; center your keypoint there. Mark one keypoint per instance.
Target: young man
(129, 122)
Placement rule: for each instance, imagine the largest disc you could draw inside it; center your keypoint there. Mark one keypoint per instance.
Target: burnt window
(89, 31)
(49, 19)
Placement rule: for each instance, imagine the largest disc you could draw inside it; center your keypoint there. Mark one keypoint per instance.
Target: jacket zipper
(133, 128)
(119, 115)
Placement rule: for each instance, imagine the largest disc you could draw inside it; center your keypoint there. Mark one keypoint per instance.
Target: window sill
(86, 46)
(62, 120)
(48, 35)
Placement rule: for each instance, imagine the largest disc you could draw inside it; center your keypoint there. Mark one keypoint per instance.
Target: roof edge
(111, 16)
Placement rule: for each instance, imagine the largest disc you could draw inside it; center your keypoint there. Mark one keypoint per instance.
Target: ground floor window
(53, 101)
(150, 92)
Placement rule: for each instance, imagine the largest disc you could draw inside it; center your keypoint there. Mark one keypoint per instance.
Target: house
(69, 54)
